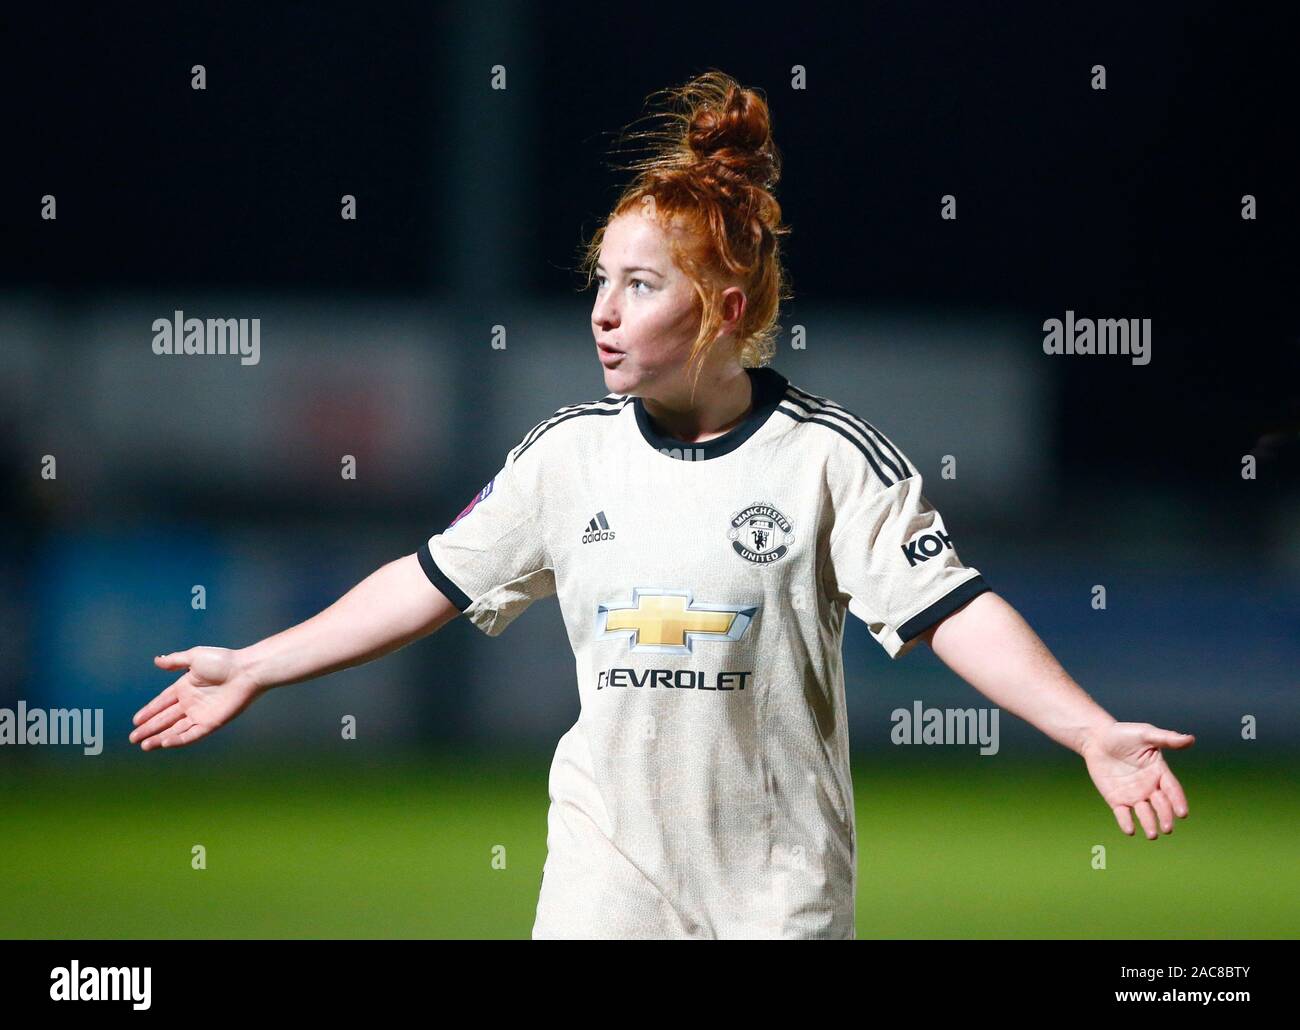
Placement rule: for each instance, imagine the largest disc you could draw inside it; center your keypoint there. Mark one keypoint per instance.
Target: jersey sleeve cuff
(441, 580)
(942, 608)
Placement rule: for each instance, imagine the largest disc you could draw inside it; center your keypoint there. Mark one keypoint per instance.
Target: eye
(601, 280)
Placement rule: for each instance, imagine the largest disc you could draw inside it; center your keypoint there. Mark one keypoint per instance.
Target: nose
(604, 312)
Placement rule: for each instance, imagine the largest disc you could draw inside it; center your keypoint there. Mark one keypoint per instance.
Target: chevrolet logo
(669, 622)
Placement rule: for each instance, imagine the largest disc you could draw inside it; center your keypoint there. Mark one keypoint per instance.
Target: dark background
(1123, 200)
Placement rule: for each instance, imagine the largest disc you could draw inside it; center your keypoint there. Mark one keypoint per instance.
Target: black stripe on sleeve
(848, 436)
(827, 410)
(540, 430)
(438, 578)
(942, 608)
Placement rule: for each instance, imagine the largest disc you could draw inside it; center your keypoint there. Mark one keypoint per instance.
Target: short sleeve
(492, 560)
(891, 555)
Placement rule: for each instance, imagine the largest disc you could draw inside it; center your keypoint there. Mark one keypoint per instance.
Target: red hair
(710, 172)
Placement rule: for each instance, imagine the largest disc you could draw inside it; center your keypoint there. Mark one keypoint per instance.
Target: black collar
(768, 386)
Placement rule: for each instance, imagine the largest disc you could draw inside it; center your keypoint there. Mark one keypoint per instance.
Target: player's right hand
(214, 689)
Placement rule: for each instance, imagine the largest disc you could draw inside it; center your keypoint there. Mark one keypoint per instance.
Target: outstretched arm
(390, 608)
(989, 645)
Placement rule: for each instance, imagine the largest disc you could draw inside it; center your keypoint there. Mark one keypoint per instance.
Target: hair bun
(729, 129)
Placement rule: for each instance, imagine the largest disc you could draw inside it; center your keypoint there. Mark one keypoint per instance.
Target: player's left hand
(1125, 763)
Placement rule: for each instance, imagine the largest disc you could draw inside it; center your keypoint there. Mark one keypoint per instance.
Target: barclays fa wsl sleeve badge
(760, 534)
(470, 507)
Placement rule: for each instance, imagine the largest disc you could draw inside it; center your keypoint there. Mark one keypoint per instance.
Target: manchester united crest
(760, 534)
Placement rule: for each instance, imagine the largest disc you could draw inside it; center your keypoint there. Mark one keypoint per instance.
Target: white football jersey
(704, 790)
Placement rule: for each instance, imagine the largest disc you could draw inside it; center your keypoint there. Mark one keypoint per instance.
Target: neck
(722, 400)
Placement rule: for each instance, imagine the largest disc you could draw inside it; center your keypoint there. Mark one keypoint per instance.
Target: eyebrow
(635, 268)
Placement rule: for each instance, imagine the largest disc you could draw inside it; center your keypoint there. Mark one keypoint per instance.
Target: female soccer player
(706, 526)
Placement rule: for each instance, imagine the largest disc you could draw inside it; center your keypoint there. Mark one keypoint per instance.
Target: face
(644, 318)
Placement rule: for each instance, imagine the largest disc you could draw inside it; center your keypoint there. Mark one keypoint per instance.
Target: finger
(170, 737)
(1124, 817)
(1173, 790)
(1164, 810)
(167, 717)
(161, 738)
(155, 706)
(175, 660)
(1167, 738)
(155, 740)
(184, 732)
(195, 732)
(1147, 817)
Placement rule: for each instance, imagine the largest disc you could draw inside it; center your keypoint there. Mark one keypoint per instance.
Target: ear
(734, 303)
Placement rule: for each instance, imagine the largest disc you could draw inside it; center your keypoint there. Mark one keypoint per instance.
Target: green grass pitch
(969, 848)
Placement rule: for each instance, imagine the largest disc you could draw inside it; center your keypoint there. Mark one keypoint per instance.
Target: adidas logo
(597, 529)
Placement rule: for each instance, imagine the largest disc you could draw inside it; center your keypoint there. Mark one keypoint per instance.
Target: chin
(619, 381)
